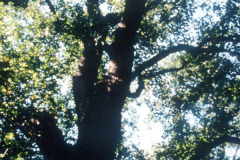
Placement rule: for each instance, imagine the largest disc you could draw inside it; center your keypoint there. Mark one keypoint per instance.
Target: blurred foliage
(34, 63)
(197, 106)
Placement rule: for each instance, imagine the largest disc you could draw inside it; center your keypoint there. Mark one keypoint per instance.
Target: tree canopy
(69, 69)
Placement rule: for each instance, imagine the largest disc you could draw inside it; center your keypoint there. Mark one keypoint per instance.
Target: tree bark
(100, 128)
(99, 103)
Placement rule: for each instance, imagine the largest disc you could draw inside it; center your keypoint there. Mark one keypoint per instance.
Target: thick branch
(41, 128)
(93, 7)
(233, 140)
(205, 147)
(86, 74)
(17, 3)
(94, 14)
(163, 54)
(132, 16)
(111, 19)
(190, 49)
(139, 90)
(152, 5)
(122, 48)
(52, 9)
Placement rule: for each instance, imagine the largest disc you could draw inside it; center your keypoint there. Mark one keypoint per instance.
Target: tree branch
(94, 13)
(93, 7)
(234, 140)
(111, 19)
(163, 71)
(17, 3)
(139, 89)
(41, 128)
(190, 49)
(163, 54)
(134, 10)
(205, 147)
(152, 5)
(52, 9)
(214, 40)
(122, 47)
(235, 154)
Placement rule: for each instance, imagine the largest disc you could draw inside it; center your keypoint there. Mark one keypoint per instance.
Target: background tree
(189, 62)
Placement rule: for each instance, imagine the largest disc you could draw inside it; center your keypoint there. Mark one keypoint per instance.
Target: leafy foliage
(31, 73)
(189, 62)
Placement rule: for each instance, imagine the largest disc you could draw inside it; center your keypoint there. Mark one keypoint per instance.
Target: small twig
(3, 155)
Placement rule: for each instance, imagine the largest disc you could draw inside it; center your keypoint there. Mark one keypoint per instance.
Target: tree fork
(99, 104)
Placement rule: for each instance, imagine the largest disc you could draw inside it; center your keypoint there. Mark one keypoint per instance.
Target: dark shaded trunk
(99, 108)
(98, 102)
(100, 129)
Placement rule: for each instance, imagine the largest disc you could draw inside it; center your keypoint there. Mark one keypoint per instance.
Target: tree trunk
(100, 129)
(98, 102)
(99, 112)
